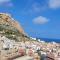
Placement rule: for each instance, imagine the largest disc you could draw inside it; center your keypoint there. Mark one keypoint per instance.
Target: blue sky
(39, 18)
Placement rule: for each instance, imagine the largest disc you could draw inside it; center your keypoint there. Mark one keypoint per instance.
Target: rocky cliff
(8, 20)
(11, 28)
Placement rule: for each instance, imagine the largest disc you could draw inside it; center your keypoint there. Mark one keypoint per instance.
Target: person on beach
(36, 56)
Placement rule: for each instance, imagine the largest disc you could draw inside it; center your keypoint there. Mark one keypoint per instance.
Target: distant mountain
(11, 28)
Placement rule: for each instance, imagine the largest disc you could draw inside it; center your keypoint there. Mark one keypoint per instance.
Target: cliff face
(8, 20)
(10, 28)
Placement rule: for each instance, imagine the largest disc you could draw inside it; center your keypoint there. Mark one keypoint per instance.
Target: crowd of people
(46, 51)
(38, 50)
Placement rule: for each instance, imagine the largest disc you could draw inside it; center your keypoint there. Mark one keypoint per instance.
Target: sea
(50, 40)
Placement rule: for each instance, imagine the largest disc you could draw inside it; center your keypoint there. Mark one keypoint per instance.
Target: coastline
(50, 40)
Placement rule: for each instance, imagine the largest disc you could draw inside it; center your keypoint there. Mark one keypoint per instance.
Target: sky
(39, 18)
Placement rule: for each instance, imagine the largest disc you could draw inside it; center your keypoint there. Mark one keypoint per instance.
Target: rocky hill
(11, 28)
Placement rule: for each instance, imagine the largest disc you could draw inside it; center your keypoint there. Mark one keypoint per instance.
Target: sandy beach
(24, 58)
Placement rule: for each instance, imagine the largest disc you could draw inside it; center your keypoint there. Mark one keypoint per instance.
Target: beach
(24, 58)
